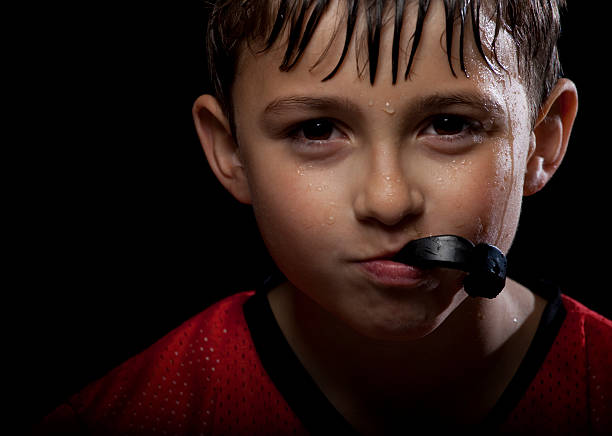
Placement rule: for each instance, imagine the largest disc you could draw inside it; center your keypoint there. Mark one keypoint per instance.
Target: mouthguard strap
(485, 264)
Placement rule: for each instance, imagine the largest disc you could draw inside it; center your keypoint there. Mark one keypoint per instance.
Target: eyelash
(468, 133)
(298, 134)
(469, 126)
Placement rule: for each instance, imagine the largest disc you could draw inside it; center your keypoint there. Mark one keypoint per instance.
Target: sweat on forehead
(533, 26)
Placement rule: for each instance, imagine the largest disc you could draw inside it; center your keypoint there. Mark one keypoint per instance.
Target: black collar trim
(288, 374)
(316, 412)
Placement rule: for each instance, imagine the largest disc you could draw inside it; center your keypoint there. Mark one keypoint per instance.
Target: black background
(123, 232)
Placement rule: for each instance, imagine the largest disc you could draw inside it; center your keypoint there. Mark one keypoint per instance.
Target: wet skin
(384, 165)
(342, 174)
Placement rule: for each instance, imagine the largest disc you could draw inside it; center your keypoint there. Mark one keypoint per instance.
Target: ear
(550, 135)
(220, 147)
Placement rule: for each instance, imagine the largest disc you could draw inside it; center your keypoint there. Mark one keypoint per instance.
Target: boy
(385, 123)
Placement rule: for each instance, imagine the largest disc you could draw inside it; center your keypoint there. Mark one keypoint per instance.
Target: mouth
(484, 263)
(389, 273)
(406, 266)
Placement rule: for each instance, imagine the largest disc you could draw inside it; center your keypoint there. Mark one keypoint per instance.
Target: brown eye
(318, 130)
(449, 125)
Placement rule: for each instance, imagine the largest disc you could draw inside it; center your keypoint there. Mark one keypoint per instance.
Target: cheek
(297, 211)
(480, 196)
(506, 189)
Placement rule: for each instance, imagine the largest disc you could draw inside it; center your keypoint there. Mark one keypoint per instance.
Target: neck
(481, 341)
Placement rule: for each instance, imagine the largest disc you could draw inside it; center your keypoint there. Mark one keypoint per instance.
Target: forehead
(431, 64)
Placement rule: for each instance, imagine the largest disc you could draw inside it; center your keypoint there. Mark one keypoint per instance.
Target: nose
(387, 194)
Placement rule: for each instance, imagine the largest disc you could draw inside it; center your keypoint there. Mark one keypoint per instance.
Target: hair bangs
(292, 16)
(533, 25)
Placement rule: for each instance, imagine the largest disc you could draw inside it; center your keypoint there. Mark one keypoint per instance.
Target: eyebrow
(297, 102)
(474, 100)
(425, 104)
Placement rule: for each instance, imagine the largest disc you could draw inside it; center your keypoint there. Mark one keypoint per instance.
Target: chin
(398, 323)
(408, 319)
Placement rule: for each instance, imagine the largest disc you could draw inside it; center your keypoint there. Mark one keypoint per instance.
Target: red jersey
(230, 371)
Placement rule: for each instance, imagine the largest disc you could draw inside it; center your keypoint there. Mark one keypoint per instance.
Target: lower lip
(393, 274)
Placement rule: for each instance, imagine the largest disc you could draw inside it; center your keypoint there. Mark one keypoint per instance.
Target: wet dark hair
(534, 26)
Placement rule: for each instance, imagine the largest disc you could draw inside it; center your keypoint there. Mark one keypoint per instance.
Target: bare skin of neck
(450, 378)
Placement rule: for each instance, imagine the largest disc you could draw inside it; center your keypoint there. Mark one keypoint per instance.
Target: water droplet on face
(388, 178)
(515, 320)
(330, 220)
(389, 109)
(371, 103)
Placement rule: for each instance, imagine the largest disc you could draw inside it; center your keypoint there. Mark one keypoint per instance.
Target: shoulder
(571, 387)
(161, 382)
(585, 343)
(206, 332)
(594, 327)
(585, 332)
(195, 342)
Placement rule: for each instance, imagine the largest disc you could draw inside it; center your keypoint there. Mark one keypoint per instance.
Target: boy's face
(342, 174)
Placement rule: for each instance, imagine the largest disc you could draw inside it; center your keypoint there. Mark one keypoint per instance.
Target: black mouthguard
(484, 263)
